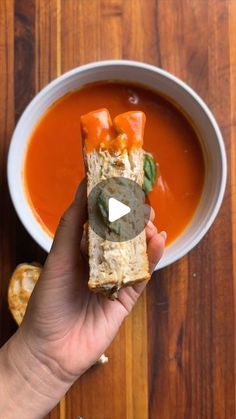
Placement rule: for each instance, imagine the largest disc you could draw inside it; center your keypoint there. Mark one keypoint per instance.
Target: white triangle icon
(116, 209)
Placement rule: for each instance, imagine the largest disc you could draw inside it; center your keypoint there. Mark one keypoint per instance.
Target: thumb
(70, 230)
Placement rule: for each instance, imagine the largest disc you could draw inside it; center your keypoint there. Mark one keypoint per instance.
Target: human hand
(65, 321)
(66, 327)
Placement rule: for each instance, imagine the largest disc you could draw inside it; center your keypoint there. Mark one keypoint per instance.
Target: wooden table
(175, 356)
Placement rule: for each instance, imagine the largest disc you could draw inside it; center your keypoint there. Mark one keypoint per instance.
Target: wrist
(31, 385)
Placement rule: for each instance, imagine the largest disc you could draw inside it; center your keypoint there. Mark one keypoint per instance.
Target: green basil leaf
(147, 185)
(148, 169)
(152, 164)
(103, 207)
(150, 172)
(115, 227)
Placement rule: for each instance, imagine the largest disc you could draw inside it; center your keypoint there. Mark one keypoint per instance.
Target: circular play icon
(117, 210)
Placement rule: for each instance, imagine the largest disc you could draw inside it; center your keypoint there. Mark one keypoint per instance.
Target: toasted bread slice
(21, 286)
(114, 151)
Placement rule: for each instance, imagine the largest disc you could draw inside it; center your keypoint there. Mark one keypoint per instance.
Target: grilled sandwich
(114, 149)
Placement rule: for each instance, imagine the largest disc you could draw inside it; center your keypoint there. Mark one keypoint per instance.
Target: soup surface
(54, 163)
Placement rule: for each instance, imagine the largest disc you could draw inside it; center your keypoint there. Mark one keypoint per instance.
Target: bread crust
(110, 289)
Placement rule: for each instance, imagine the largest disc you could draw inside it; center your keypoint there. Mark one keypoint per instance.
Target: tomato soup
(54, 163)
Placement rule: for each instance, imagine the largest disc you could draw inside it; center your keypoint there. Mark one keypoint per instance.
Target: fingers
(149, 213)
(70, 230)
(84, 241)
(155, 242)
(155, 248)
(150, 230)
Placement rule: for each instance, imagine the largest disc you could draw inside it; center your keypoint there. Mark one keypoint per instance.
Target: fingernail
(163, 234)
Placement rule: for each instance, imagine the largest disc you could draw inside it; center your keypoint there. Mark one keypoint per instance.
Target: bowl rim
(143, 66)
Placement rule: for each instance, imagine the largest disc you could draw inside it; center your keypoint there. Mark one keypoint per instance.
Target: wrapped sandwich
(113, 149)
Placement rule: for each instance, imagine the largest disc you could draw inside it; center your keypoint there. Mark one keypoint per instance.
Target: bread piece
(21, 286)
(114, 265)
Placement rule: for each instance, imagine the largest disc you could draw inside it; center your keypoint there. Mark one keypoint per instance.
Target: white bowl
(157, 79)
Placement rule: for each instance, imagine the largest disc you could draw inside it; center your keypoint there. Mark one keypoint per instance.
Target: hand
(66, 327)
(65, 320)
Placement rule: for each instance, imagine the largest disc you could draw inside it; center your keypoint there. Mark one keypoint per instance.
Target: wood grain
(175, 357)
(7, 230)
(232, 127)
(196, 312)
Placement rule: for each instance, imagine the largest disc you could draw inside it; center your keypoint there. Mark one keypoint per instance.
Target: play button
(116, 208)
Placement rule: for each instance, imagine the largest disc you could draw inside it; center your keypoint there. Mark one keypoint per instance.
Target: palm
(92, 332)
(76, 324)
